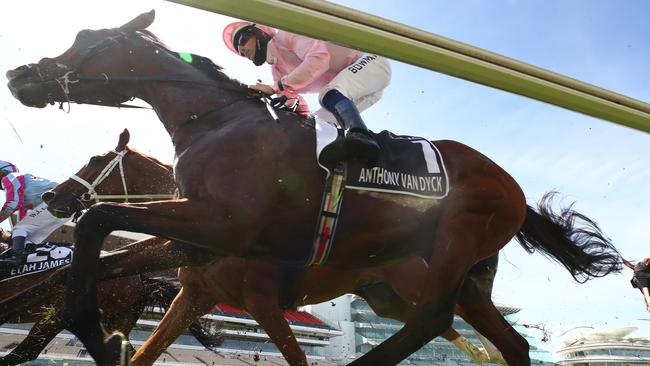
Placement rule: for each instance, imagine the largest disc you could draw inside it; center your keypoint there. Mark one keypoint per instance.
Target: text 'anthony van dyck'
(378, 175)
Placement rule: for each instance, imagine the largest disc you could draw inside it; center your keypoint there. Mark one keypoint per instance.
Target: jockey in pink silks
(23, 196)
(347, 80)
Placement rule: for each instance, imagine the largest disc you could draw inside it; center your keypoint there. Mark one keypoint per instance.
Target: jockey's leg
(18, 252)
(352, 90)
(357, 143)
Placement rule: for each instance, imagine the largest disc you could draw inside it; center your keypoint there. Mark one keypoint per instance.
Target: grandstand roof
(294, 317)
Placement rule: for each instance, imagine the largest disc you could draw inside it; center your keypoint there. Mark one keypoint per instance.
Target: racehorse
(122, 299)
(260, 287)
(248, 188)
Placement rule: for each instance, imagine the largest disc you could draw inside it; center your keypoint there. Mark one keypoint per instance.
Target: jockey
(641, 278)
(347, 80)
(23, 195)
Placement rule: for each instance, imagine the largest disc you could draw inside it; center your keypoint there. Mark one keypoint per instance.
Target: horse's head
(80, 74)
(121, 175)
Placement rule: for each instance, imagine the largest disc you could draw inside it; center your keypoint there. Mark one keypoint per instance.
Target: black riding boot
(357, 144)
(18, 247)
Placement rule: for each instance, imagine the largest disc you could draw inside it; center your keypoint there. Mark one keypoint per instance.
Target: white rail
(324, 20)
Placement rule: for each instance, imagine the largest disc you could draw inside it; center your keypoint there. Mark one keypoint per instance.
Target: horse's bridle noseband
(92, 194)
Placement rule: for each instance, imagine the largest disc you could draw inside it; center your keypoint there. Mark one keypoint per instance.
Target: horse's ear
(124, 140)
(140, 22)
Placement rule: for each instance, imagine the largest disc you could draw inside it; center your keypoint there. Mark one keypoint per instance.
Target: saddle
(407, 165)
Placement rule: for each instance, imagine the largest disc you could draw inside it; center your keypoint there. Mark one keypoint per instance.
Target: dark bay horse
(258, 286)
(248, 188)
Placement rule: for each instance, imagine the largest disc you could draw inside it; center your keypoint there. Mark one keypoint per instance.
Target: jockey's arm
(315, 61)
(628, 264)
(6, 213)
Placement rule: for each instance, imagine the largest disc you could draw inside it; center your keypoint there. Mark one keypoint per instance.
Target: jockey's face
(247, 47)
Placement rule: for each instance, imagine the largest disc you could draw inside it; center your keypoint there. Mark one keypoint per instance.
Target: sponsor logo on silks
(45, 257)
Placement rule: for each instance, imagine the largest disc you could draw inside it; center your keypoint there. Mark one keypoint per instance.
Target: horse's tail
(162, 291)
(570, 238)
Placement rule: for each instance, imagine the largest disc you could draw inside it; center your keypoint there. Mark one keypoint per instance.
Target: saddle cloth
(40, 258)
(406, 165)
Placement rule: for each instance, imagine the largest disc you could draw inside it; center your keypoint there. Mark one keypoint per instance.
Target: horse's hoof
(116, 350)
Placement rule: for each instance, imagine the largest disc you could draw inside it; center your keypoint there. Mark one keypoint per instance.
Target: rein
(92, 194)
(72, 76)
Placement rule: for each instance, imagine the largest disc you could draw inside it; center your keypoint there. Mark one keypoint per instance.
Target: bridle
(92, 195)
(73, 76)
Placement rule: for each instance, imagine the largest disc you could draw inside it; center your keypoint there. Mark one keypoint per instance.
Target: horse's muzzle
(61, 206)
(26, 84)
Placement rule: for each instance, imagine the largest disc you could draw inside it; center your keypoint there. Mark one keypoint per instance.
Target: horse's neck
(179, 106)
(162, 181)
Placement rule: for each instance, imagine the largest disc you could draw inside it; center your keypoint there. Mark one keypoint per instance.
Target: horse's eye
(95, 160)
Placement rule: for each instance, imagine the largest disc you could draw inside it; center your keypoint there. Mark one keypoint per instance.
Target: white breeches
(38, 224)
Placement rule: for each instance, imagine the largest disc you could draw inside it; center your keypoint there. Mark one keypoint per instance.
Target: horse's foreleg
(261, 299)
(185, 309)
(41, 333)
(454, 252)
(150, 255)
(123, 301)
(180, 218)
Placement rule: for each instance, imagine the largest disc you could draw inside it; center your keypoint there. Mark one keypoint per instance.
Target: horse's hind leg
(185, 309)
(479, 311)
(476, 223)
(386, 303)
(453, 254)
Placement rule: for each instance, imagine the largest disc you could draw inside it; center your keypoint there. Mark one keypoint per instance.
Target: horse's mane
(208, 68)
(201, 63)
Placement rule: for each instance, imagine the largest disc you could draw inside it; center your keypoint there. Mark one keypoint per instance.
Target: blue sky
(600, 165)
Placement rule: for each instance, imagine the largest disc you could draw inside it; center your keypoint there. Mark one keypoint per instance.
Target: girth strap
(329, 215)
